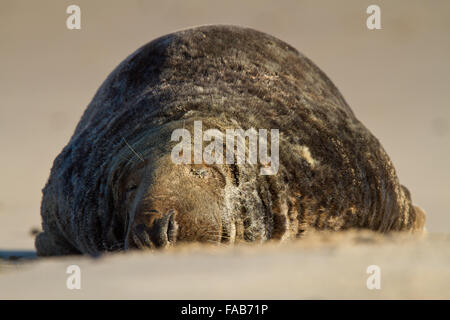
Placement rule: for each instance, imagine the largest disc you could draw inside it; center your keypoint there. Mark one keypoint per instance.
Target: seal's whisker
(132, 150)
(218, 234)
(214, 233)
(218, 243)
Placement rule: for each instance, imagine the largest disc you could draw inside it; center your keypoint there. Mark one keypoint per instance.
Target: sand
(330, 266)
(396, 80)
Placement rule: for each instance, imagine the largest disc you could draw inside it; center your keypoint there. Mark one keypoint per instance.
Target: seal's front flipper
(416, 214)
(420, 220)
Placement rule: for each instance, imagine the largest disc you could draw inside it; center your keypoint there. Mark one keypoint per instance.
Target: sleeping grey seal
(115, 185)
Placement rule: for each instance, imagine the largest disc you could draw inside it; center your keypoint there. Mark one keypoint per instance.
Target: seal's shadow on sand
(17, 255)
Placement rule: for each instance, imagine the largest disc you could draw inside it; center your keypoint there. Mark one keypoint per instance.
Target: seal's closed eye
(131, 188)
(201, 173)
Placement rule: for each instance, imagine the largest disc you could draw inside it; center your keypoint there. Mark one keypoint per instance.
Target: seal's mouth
(155, 230)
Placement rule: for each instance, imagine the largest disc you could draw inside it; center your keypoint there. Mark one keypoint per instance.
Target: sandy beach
(331, 266)
(396, 80)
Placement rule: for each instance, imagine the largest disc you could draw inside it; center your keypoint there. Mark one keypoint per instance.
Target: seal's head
(166, 202)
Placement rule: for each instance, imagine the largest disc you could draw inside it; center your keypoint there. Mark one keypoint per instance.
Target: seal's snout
(155, 230)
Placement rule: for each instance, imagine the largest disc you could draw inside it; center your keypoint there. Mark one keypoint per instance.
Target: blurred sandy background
(397, 80)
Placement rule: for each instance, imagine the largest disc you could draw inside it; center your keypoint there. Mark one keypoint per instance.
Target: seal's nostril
(156, 229)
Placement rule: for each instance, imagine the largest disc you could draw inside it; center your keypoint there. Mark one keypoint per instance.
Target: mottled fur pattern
(333, 174)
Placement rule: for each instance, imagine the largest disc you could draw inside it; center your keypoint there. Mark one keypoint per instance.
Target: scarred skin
(115, 186)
